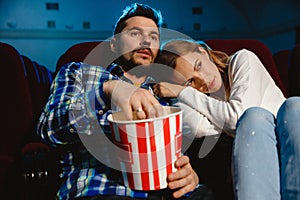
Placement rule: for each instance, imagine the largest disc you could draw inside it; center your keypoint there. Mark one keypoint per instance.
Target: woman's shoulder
(244, 54)
(241, 62)
(242, 57)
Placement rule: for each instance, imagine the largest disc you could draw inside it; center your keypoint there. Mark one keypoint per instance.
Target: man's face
(138, 42)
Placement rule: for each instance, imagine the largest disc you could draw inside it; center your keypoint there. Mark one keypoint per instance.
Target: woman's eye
(198, 66)
(188, 82)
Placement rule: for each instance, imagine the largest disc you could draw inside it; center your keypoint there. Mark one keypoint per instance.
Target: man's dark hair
(138, 10)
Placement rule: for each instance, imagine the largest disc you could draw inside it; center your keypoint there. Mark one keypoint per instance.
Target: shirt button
(100, 112)
(71, 130)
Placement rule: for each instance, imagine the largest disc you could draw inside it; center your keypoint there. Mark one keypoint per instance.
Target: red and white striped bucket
(153, 145)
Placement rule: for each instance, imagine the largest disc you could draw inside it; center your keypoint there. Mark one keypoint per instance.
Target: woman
(235, 94)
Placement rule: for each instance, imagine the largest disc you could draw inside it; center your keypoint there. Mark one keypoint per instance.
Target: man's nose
(146, 41)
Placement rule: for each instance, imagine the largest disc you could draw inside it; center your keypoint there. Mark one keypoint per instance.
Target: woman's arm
(248, 82)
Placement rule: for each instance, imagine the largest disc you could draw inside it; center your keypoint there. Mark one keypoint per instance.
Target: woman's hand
(167, 90)
(185, 179)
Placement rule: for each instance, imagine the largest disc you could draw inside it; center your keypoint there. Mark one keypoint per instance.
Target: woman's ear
(205, 52)
(113, 44)
(202, 50)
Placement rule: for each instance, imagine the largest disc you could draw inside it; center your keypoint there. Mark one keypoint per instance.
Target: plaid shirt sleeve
(76, 101)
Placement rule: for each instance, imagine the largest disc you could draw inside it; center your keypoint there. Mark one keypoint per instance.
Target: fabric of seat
(281, 59)
(16, 111)
(94, 53)
(39, 165)
(294, 71)
(39, 80)
(257, 47)
(16, 101)
(99, 53)
(25, 89)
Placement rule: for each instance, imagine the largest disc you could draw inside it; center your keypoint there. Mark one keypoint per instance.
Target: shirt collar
(116, 70)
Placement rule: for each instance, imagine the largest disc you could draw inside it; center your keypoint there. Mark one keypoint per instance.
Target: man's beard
(134, 68)
(126, 64)
(131, 63)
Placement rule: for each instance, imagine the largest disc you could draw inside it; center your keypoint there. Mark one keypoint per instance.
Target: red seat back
(94, 53)
(16, 103)
(281, 59)
(39, 79)
(99, 53)
(16, 107)
(294, 71)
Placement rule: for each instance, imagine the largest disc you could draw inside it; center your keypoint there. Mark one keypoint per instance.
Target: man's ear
(113, 44)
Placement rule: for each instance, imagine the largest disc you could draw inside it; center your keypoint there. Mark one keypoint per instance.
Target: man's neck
(136, 80)
(136, 74)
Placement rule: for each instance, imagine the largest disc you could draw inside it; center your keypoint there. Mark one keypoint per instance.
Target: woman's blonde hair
(173, 49)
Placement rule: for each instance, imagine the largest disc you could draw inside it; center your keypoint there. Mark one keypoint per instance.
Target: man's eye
(154, 37)
(135, 33)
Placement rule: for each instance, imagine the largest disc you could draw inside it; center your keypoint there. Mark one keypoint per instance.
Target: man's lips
(144, 52)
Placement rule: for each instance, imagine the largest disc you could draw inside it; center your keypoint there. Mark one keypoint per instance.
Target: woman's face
(199, 71)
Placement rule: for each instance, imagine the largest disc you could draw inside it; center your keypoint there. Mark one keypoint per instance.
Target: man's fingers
(179, 193)
(145, 105)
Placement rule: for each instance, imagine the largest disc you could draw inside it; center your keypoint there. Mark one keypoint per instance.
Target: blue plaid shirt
(76, 101)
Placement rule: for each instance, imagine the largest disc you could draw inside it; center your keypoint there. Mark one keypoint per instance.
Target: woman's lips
(212, 84)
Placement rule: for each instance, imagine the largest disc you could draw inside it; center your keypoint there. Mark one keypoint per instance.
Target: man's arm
(130, 98)
(76, 101)
(82, 97)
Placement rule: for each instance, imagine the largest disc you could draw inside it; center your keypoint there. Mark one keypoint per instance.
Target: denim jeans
(266, 153)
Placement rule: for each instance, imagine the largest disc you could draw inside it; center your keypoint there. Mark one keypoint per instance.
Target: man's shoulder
(81, 67)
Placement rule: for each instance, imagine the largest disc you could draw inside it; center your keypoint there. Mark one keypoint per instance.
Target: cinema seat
(294, 71)
(25, 161)
(39, 79)
(99, 53)
(16, 116)
(39, 162)
(94, 53)
(281, 59)
(259, 48)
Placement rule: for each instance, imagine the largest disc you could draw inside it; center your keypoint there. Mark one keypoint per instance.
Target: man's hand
(135, 102)
(185, 179)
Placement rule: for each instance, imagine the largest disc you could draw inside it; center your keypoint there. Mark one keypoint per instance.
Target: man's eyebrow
(142, 29)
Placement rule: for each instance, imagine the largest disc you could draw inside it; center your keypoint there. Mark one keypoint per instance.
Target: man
(83, 94)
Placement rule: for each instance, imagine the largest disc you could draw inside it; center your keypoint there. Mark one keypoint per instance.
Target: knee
(292, 104)
(253, 120)
(254, 115)
(288, 118)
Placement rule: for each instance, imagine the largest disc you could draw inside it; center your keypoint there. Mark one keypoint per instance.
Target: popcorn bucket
(151, 145)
